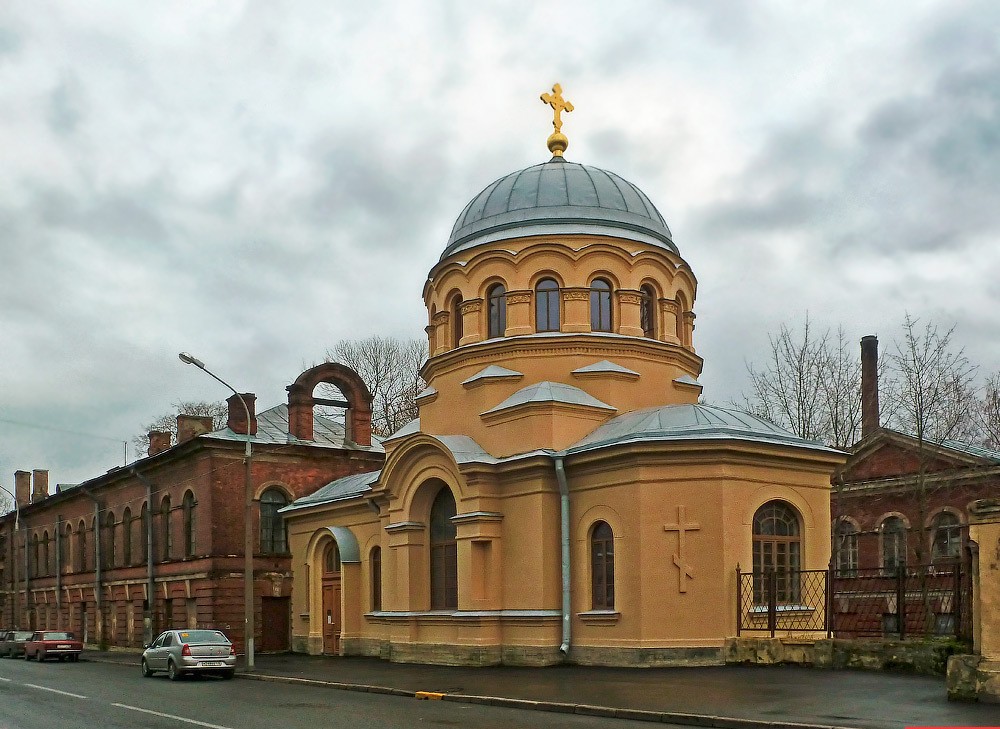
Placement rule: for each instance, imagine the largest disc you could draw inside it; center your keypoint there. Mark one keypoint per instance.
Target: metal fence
(914, 601)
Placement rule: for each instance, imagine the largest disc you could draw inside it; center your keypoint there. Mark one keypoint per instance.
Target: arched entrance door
(331, 599)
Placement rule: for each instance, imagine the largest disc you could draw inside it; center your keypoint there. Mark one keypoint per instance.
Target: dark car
(12, 642)
(190, 651)
(59, 644)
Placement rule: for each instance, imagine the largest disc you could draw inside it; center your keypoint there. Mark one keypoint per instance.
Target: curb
(663, 717)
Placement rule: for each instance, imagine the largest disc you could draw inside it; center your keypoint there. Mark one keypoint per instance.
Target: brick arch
(359, 402)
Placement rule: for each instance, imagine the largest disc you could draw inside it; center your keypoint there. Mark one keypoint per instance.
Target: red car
(53, 644)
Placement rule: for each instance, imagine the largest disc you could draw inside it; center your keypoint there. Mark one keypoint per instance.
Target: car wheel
(75, 657)
(40, 656)
(173, 671)
(228, 674)
(146, 673)
(26, 656)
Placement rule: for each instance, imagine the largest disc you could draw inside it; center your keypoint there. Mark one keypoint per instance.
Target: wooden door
(331, 617)
(274, 623)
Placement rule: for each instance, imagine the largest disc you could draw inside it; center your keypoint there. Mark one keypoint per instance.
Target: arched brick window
(600, 306)
(946, 536)
(444, 552)
(81, 547)
(109, 541)
(602, 567)
(272, 526)
(777, 548)
(496, 307)
(893, 534)
(46, 553)
(647, 311)
(127, 537)
(166, 532)
(64, 549)
(547, 306)
(375, 574)
(189, 531)
(845, 548)
(36, 557)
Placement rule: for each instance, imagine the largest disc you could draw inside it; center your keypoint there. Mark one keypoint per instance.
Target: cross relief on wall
(681, 526)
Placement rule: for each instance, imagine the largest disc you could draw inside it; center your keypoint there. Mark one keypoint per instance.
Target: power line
(61, 430)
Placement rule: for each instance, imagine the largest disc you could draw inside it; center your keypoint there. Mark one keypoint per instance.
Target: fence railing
(909, 602)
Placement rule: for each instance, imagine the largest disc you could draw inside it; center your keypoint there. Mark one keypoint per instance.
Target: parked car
(12, 642)
(190, 651)
(52, 644)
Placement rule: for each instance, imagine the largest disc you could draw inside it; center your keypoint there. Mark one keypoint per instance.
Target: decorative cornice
(406, 526)
(575, 294)
(477, 517)
(628, 296)
(519, 297)
(441, 317)
(472, 306)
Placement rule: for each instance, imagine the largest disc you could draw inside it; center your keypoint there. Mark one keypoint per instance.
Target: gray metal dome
(559, 197)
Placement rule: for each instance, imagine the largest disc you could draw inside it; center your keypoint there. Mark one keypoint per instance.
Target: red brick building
(900, 501)
(160, 542)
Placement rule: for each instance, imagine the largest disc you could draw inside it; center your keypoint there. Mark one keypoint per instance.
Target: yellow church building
(563, 496)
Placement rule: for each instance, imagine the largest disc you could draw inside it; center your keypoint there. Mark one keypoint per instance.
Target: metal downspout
(564, 540)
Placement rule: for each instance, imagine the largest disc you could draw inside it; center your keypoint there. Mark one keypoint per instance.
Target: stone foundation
(923, 657)
(971, 678)
(646, 657)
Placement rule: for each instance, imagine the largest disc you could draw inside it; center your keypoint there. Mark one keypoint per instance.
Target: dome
(559, 197)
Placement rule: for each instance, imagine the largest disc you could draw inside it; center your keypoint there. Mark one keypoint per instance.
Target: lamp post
(13, 550)
(248, 607)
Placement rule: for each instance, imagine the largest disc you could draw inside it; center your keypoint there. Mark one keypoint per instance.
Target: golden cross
(684, 569)
(558, 104)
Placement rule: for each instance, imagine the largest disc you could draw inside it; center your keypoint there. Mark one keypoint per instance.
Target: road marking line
(55, 691)
(4, 679)
(171, 716)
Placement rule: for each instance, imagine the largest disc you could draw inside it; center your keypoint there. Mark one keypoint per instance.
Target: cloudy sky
(253, 181)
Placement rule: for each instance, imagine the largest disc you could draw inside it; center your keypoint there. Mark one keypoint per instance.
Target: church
(563, 495)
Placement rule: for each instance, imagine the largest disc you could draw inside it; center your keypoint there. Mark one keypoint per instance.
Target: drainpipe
(564, 539)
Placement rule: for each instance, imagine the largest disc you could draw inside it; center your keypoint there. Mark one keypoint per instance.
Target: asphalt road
(102, 695)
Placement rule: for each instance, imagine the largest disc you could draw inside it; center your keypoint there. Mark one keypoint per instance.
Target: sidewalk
(725, 696)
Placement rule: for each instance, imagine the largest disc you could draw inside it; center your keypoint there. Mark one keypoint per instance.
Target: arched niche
(301, 402)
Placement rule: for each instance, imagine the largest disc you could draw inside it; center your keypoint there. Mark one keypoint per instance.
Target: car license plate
(212, 664)
(62, 647)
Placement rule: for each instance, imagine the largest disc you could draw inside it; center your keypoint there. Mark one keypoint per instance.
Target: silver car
(190, 651)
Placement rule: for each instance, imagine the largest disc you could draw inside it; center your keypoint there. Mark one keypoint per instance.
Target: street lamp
(248, 607)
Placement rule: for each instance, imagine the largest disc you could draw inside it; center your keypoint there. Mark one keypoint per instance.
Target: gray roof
(272, 427)
(559, 196)
(971, 449)
(495, 372)
(346, 487)
(550, 392)
(689, 422)
(604, 366)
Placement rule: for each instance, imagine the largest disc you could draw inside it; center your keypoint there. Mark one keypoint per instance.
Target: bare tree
(936, 401)
(167, 423)
(989, 412)
(810, 385)
(390, 368)
(6, 503)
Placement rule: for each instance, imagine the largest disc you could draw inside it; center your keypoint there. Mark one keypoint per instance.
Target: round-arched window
(496, 304)
(600, 305)
(777, 550)
(272, 525)
(547, 306)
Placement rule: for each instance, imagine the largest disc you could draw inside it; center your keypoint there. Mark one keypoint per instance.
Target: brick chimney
(40, 485)
(238, 417)
(159, 441)
(190, 426)
(22, 488)
(869, 385)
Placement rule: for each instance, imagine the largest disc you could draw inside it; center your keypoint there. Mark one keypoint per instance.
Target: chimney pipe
(869, 385)
(159, 441)
(40, 481)
(191, 426)
(238, 416)
(22, 488)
